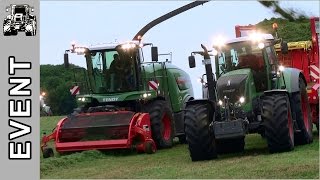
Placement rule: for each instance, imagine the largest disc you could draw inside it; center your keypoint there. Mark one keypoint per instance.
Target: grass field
(255, 162)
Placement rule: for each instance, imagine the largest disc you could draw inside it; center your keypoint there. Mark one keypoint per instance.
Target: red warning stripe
(314, 71)
(153, 85)
(74, 90)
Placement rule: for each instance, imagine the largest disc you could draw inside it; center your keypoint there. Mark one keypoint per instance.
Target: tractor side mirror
(284, 47)
(192, 61)
(154, 53)
(66, 60)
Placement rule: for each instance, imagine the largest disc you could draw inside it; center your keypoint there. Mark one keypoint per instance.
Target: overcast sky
(88, 23)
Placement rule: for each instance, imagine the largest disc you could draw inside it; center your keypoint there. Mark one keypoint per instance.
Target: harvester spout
(169, 15)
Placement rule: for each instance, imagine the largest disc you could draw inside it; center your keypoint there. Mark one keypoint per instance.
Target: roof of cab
(249, 38)
(109, 45)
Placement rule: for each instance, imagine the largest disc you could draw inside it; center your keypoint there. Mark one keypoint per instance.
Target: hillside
(290, 31)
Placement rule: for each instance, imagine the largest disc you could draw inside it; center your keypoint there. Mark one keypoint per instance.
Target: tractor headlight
(281, 68)
(241, 99)
(214, 52)
(261, 45)
(128, 46)
(83, 99)
(80, 50)
(145, 95)
(220, 103)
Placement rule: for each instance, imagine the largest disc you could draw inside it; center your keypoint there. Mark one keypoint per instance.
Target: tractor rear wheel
(199, 133)
(301, 107)
(162, 123)
(278, 123)
(230, 145)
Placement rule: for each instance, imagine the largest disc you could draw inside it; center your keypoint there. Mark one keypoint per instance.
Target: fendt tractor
(253, 93)
(20, 19)
(303, 55)
(131, 103)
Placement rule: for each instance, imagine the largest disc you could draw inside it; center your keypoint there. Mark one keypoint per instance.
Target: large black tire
(301, 108)
(182, 139)
(14, 32)
(199, 133)
(230, 145)
(7, 33)
(278, 123)
(162, 132)
(29, 34)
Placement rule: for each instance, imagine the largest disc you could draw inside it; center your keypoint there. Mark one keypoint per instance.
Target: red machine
(109, 127)
(303, 55)
(101, 130)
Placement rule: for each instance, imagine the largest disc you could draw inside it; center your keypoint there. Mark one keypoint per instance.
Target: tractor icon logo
(20, 19)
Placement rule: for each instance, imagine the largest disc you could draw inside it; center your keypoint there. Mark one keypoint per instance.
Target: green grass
(255, 162)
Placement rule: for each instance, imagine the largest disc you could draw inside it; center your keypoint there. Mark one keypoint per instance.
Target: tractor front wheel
(278, 123)
(199, 132)
(162, 123)
(14, 32)
(301, 107)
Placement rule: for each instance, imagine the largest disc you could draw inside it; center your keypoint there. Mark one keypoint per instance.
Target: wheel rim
(290, 125)
(305, 111)
(166, 128)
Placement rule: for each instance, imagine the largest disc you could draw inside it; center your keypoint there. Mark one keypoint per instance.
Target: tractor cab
(253, 54)
(19, 12)
(112, 68)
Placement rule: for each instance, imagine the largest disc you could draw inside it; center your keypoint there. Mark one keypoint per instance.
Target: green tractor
(253, 93)
(128, 102)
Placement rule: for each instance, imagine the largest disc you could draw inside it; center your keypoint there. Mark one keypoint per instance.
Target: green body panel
(250, 89)
(174, 85)
(134, 95)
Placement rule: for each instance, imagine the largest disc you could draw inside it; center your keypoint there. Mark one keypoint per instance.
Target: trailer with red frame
(303, 55)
